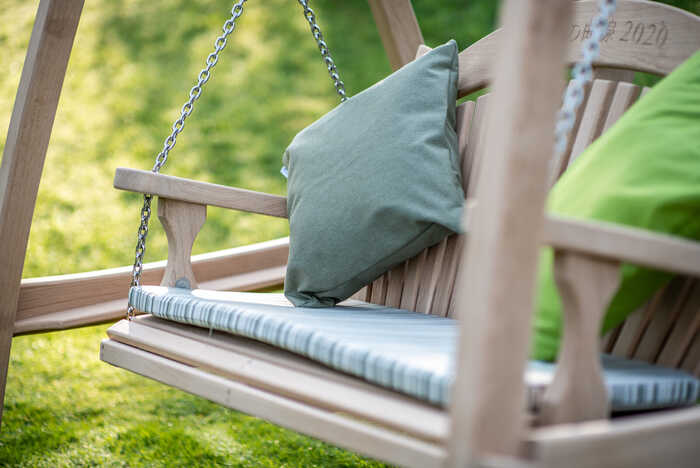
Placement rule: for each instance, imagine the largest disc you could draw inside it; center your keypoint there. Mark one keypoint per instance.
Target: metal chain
(581, 74)
(188, 107)
(325, 53)
(178, 125)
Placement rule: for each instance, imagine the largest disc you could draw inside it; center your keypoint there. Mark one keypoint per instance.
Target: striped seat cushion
(405, 351)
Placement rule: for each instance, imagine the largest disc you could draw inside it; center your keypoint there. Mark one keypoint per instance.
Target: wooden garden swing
(486, 424)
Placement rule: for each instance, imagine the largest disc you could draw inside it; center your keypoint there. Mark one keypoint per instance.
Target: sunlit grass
(131, 69)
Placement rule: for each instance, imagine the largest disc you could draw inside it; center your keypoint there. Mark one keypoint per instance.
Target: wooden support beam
(586, 285)
(398, 28)
(181, 222)
(25, 150)
(505, 231)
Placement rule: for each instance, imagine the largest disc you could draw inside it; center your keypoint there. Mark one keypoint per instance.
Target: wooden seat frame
(464, 276)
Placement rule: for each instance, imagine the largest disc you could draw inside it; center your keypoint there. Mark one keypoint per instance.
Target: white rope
(582, 73)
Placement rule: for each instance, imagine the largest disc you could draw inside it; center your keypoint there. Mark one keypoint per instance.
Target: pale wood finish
(323, 424)
(25, 150)
(203, 193)
(67, 301)
(668, 439)
(614, 241)
(620, 51)
(181, 222)
(586, 285)
(594, 112)
(398, 28)
(271, 369)
(489, 391)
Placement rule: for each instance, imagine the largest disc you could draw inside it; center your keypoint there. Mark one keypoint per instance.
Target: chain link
(188, 107)
(170, 141)
(581, 74)
(323, 48)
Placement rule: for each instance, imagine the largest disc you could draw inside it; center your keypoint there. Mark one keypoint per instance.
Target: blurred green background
(132, 66)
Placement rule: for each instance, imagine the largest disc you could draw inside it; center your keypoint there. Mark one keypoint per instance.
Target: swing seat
(373, 374)
(401, 350)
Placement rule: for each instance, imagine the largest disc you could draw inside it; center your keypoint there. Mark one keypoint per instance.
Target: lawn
(132, 66)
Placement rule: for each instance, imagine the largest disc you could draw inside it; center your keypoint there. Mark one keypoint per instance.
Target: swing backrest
(643, 36)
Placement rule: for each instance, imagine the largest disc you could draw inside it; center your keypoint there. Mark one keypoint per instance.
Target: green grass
(132, 65)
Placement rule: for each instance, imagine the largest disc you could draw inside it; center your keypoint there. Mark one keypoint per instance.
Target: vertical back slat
(475, 138)
(395, 278)
(414, 268)
(448, 273)
(593, 116)
(624, 97)
(429, 277)
(378, 294)
(560, 164)
(667, 312)
(684, 330)
(633, 328)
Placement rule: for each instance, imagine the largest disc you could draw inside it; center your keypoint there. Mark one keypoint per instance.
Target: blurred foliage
(132, 66)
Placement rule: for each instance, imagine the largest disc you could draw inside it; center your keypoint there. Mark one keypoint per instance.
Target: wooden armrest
(203, 193)
(616, 242)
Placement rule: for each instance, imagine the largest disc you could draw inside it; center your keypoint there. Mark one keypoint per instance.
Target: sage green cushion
(643, 172)
(374, 181)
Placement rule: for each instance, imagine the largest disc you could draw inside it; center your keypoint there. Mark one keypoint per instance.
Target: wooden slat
(379, 289)
(282, 373)
(691, 361)
(685, 330)
(429, 277)
(659, 328)
(203, 193)
(395, 283)
(673, 28)
(488, 392)
(475, 147)
(561, 161)
(625, 95)
(444, 292)
(667, 439)
(594, 114)
(633, 328)
(398, 28)
(465, 117)
(87, 298)
(412, 280)
(25, 150)
(326, 425)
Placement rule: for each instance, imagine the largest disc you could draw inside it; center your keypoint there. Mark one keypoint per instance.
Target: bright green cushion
(374, 181)
(643, 172)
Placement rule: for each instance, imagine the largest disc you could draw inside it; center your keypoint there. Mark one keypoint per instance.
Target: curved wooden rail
(69, 301)
(643, 36)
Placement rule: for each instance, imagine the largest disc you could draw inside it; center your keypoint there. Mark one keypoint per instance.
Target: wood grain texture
(181, 222)
(59, 302)
(203, 193)
(287, 374)
(625, 95)
(666, 439)
(505, 227)
(647, 36)
(25, 150)
(577, 393)
(594, 114)
(347, 432)
(398, 28)
(638, 246)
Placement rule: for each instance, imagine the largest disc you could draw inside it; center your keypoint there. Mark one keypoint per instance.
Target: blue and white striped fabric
(405, 351)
